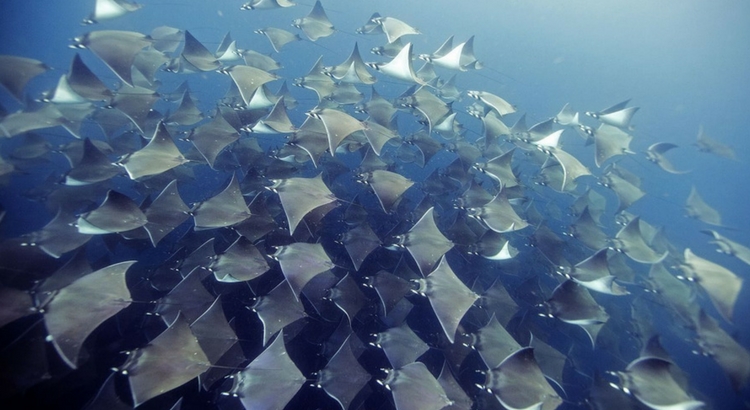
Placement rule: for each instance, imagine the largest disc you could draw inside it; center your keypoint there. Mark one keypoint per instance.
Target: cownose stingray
(242, 261)
(352, 70)
(211, 138)
(626, 192)
(301, 262)
(500, 169)
(610, 141)
(388, 186)
(75, 311)
(227, 208)
(117, 49)
(460, 57)
(415, 388)
(572, 303)
(449, 297)
(276, 122)
(315, 24)
(166, 213)
(338, 125)
(617, 115)
(498, 215)
(494, 343)
(393, 27)
(248, 79)
(58, 237)
(425, 242)
(109, 9)
(278, 37)
(655, 153)
(160, 155)
(400, 67)
(650, 380)
(721, 284)
(630, 240)
(300, 196)
(519, 384)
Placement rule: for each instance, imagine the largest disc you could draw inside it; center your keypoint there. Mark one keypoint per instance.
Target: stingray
(586, 230)
(312, 138)
(211, 138)
(500, 169)
(315, 24)
(136, 103)
(338, 125)
(360, 242)
(676, 293)
(494, 343)
(16, 72)
(655, 154)
(93, 167)
(109, 9)
(276, 122)
(270, 381)
(499, 105)
(498, 215)
(388, 186)
(117, 49)
(519, 384)
(572, 303)
(432, 108)
(710, 145)
(460, 57)
(348, 297)
(224, 209)
(170, 360)
(301, 262)
(118, 213)
(415, 388)
(650, 380)
(425, 242)
(24, 121)
(378, 135)
(449, 297)
(197, 55)
(378, 108)
(187, 113)
(343, 377)
(389, 49)
(72, 313)
(248, 80)
(493, 246)
(160, 155)
(630, 241)
(58, 237)
(214, 334)
(696, 208)
(610, 141)
(300, 196)
(400, 345)
(593, 273)
(400, 67)
(266, 4)
(571, 166)
(730, 355)
(626, 192)
(279, 308)
(317, 80)
(391, 289)
(166, 213)
(729, 247)
(242, 261)
(352, 70)
(617, 115)
(721, 284)
(278, 37)
(227, 51)
(260, 61)
(567, 116)
(394, 28)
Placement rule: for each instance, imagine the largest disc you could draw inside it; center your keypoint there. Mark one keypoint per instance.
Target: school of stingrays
(411, 251)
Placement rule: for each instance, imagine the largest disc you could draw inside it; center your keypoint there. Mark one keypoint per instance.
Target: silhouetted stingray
(390, 288)
(279, 308)
(94, 167)
(588, 231)
(343, 377)
(497, 104)
(197, 55)
(630, 241)
(494, 343)
(617, 115)
(593, 273)
(425, 242)
(498, 215)
(212, 137)
(572, 303)
(655, 154)
(242, 261)
(299, 196)
(696, 208)
(518, 383)
(315, 24)
(224, 209)
(248, 79)
(400, 345)
(118, 213)
(400, 67)
(117, 49)
(722, 286)
(166, 213)
(388, 186)
(359, 242)
(352, 70)
(160, 155)
(300, 262)
(650, 381)
(626, 192)
(415, 388)
(460, 57)
(610, 141)
(338, 125)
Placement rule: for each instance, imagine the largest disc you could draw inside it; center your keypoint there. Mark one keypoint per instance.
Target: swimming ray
(572, 303)
(729, 247)
(400, 345)
(118, 213)
(394, 28)
(300, 196)
(301, 262)
(721, 284)
(650, 380)
(551, 362)
(388, 186)
(211, 138)
(449, 297)
(166, 213)
(159, 156)
(730, 355)
(136, 103)
(109, 9)
(248, 80)
(338, 125)
(117, 49)
(630, 241)
(276, 122)
(360, 242)
(266, 4)
(352, 70)
(260, 61)
(391, 289)
(415, 388)
(315, 24)
(572, 168)
(460, 57)
(312, 138)
(224, 209)
(317, 81)
(400, 67)
(58, 236)
(519, 384)
(696, 208)
(655, 153)
(278, 37)
(676, 293)
(279, 308)
(593, 273)
(151, 369)
(242, 261)
(166, 39)
(617, 115)
(610, 141)
(707, 144)
(455, 393)
(498, 215)
(197, 55)
(187, 113)
(343, 377)
(214, 334)
(499, 105)
(425, 243)
(626, 192)
(24, 121)
(16, 72)
(94, 167)
(427, 104)
(567, 116)
(494, 343)
(348, 297)
(586, 230)
(500, 169)
(75, 311)
(378, 135)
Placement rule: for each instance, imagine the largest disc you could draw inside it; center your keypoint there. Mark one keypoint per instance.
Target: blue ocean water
(684, 63)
